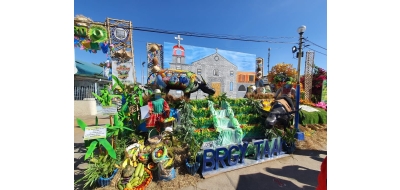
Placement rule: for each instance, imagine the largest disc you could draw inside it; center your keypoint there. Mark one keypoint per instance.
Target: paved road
(299, 171)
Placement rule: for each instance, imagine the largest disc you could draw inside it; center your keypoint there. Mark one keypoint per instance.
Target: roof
(99, 79)
(88, 69)
(212, 55)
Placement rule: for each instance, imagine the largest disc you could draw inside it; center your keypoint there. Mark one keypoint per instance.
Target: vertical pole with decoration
(299, 135)
(109, 54)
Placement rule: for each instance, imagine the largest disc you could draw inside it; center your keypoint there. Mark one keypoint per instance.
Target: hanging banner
(324, 92)
(123, 71)
(154, 50)
(90, 36)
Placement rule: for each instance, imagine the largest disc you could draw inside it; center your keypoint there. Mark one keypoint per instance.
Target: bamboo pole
(112, 137)
(133, 55)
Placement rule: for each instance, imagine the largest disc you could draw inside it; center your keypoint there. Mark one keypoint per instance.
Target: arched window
(242, 88)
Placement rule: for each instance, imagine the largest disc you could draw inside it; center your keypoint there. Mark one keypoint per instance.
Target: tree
(282, 68)
(319, 75)
(101, 64)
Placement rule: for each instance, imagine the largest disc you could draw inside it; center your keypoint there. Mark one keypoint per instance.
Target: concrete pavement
(288, 173)
(299, 171)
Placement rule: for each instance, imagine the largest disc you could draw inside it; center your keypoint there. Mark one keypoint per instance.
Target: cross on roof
(216, 50)
(179, 40)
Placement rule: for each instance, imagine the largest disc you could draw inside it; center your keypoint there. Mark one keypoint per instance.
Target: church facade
(244, 80)
(218, 72)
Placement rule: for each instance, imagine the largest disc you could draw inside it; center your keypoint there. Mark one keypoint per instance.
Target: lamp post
(269, 49)
(299, 135)
(142, 72)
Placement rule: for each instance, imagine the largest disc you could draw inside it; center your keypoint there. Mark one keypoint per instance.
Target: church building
(216, 70)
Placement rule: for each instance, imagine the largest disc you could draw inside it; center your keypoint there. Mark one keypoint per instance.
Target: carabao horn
(203, 79)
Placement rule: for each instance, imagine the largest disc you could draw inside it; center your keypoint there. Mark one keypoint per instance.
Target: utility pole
(299, 135)
(269, 49)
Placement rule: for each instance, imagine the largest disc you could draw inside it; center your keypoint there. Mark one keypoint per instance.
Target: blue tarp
(87, 68)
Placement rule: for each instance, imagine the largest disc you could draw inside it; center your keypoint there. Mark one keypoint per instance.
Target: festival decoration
(159, 111)
(133, 165)
(321, 105)
(324, 94)
(259, 72)
(98, 33)
(154, 57)
(318, 77)
(279, 69)
(172, 79)
(122, 55)
(104, 47)
(89, 36)
(80, 31)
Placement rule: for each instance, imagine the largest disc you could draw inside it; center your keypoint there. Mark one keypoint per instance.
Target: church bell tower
(178, 54)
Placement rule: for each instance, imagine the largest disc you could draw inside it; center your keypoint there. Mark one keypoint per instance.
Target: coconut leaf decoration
(98, 34)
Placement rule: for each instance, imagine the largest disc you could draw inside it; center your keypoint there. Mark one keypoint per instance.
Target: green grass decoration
(307, 118)
(246, 115)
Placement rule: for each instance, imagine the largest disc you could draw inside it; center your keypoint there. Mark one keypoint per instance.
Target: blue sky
(244, 61)
(273, 19)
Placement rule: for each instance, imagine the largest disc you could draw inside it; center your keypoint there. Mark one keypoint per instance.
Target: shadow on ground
(78, 173)
(300, 173)
(263, 181)
(313, 154)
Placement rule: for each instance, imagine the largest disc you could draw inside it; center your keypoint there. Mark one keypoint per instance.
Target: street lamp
(299, 134)
(142, 72)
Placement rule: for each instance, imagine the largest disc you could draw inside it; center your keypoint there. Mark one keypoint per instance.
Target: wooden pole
(112, 137)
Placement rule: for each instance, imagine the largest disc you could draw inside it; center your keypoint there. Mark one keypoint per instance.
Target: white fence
(82, 92)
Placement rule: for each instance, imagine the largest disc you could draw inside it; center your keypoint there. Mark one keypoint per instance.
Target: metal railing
(82, 92)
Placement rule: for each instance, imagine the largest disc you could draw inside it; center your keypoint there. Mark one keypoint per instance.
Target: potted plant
(101, 166)
(289, 140)
(193, 162)
(107, 171)
(185, 132)
(101, 170)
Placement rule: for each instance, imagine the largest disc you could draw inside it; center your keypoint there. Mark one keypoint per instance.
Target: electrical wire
(315, 44)
(203, 35)
(315, 51)
(215, 36)
(208, 35)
